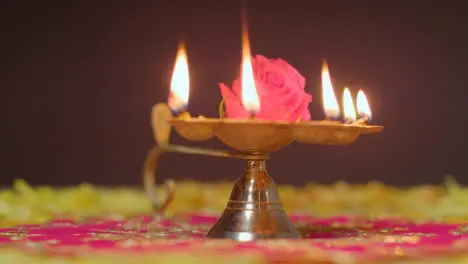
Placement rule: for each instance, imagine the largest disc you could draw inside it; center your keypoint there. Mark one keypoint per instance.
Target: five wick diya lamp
(254, 210)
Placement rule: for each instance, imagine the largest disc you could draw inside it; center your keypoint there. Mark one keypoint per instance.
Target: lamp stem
(254, 210)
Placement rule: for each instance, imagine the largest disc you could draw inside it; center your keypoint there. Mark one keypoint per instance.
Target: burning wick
(330, 104)
(250, 99)
(349, 113)
(180, 85)
(178, 107)
(348, 121)
(362, 121)
(364, 112)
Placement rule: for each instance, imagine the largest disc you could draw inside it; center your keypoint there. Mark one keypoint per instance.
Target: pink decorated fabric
(356, 238)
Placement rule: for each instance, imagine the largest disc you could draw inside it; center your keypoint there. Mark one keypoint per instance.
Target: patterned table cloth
(340, 224)
(326, 240)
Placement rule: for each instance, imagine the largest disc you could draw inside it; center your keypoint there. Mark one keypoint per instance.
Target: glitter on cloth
(327, 240)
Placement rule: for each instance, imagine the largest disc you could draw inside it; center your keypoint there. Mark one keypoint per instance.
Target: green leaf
(221, 110)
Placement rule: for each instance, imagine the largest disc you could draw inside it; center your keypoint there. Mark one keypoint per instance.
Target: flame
(180, 83)
(363, 105)
(348, 108)
(330, 104)
(250, 99)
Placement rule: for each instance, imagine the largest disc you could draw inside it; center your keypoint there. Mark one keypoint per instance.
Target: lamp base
(254, 210)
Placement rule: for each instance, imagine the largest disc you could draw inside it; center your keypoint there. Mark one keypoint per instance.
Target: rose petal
(225, 91)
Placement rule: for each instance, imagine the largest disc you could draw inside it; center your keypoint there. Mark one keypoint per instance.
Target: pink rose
(280, 89)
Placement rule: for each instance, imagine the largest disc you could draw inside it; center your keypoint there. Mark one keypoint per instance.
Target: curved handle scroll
(149, 181)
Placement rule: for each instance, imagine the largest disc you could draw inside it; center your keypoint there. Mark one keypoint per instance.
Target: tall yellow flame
(330, 104)
(180, 83)
(363, 105)
(348, 107)
(250, 99)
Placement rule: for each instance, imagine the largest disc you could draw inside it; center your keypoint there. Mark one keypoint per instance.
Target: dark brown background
(79, 79)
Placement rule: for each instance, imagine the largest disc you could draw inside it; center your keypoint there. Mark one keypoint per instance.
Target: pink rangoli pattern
(356, 238)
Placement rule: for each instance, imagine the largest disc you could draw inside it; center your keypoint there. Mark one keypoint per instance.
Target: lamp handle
(149, 181)
(151, 165)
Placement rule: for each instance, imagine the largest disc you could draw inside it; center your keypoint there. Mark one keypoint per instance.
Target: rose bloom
(280, 89)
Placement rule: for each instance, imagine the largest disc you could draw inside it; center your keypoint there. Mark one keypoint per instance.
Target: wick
(184, 114)
(177, 112)
(362, 121)
(349, 121)
(252, 116)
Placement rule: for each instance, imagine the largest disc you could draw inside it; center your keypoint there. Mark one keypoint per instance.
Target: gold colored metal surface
(160, 117)
(259, 136)
(254, 210)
